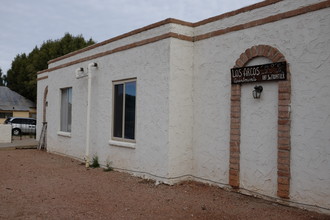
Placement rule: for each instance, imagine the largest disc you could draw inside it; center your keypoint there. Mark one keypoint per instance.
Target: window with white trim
(66, 109)
(124, 99)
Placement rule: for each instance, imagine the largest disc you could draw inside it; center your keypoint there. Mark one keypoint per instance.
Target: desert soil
(39, 185)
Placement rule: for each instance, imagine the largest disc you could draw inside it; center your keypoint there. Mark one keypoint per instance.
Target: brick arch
(284, 121)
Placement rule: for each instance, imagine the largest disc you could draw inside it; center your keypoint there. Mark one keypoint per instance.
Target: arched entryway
(43, 135)
(44, 105)
(283, 121)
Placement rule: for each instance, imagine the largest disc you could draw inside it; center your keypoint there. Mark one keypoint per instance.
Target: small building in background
(13, 104)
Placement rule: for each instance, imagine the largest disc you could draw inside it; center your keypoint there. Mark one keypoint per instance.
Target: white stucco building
(160, 102)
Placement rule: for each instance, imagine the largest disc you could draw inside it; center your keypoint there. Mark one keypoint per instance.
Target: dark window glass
(69, 109)
(118, 111)
(16, 121)
(124, 110)
(130, 94)
(6, 114)
(31, 122)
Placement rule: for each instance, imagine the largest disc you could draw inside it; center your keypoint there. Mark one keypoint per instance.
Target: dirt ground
(40, 185)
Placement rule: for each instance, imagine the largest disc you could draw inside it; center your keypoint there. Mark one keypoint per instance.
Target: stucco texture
(304, 41)
(184, 98)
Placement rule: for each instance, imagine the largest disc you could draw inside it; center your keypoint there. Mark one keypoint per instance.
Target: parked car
(22, 125)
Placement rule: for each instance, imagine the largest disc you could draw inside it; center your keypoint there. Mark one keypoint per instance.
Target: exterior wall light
(257, 92)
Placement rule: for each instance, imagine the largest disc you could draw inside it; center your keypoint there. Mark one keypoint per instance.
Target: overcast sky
(25, 24)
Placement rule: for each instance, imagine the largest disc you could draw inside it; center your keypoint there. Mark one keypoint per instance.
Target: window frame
(123, 139)
(66, 131)
(7, 114)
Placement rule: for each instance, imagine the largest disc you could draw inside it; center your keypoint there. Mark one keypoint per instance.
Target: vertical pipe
(89, 89)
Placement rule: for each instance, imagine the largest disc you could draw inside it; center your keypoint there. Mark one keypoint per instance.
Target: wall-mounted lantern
(257, 92)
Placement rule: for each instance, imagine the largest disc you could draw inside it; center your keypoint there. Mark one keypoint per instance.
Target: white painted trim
(122, 144)
(64, 134)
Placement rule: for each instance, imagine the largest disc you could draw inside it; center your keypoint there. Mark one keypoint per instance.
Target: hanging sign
(259, 73)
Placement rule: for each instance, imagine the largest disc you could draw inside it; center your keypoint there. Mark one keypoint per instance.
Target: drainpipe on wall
(80, 74)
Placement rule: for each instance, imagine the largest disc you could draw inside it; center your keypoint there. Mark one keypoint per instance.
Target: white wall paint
(310, 111)
(183, 105)
(256, 14)
(258, 164)
(180, 108)
(5, 133)
(41, 85)
(304, 41)
(211, 95)
(74, 145)
(152, 118)
(129, 40)
(151, 71)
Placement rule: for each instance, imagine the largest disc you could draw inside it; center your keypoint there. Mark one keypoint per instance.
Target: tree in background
(2, 78)
(22, 76)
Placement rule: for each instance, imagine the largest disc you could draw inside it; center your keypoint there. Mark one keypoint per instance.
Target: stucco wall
(258, 164)
(118, 43)
(183, 104)
(74, 145)
(126, 40)
(259, 13)
(310, 103)
(42, 84)
(5, 133)
(151, 70)
(150, 155)
(304, 41)
(211, 88)
(180, 109)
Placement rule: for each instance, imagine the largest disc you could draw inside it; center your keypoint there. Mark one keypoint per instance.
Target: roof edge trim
(168, 21)
(119, 49)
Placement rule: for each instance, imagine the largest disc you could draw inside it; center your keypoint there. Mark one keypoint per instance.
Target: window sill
(64, 134)
(122, 144)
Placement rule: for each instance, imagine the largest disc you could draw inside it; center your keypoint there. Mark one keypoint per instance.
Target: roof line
(236, 12)
(270, 19)
(118, 49)
(128, 34)
(168, 21)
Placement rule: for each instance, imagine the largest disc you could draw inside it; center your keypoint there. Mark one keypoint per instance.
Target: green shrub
(108, 166)
(95, 162)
